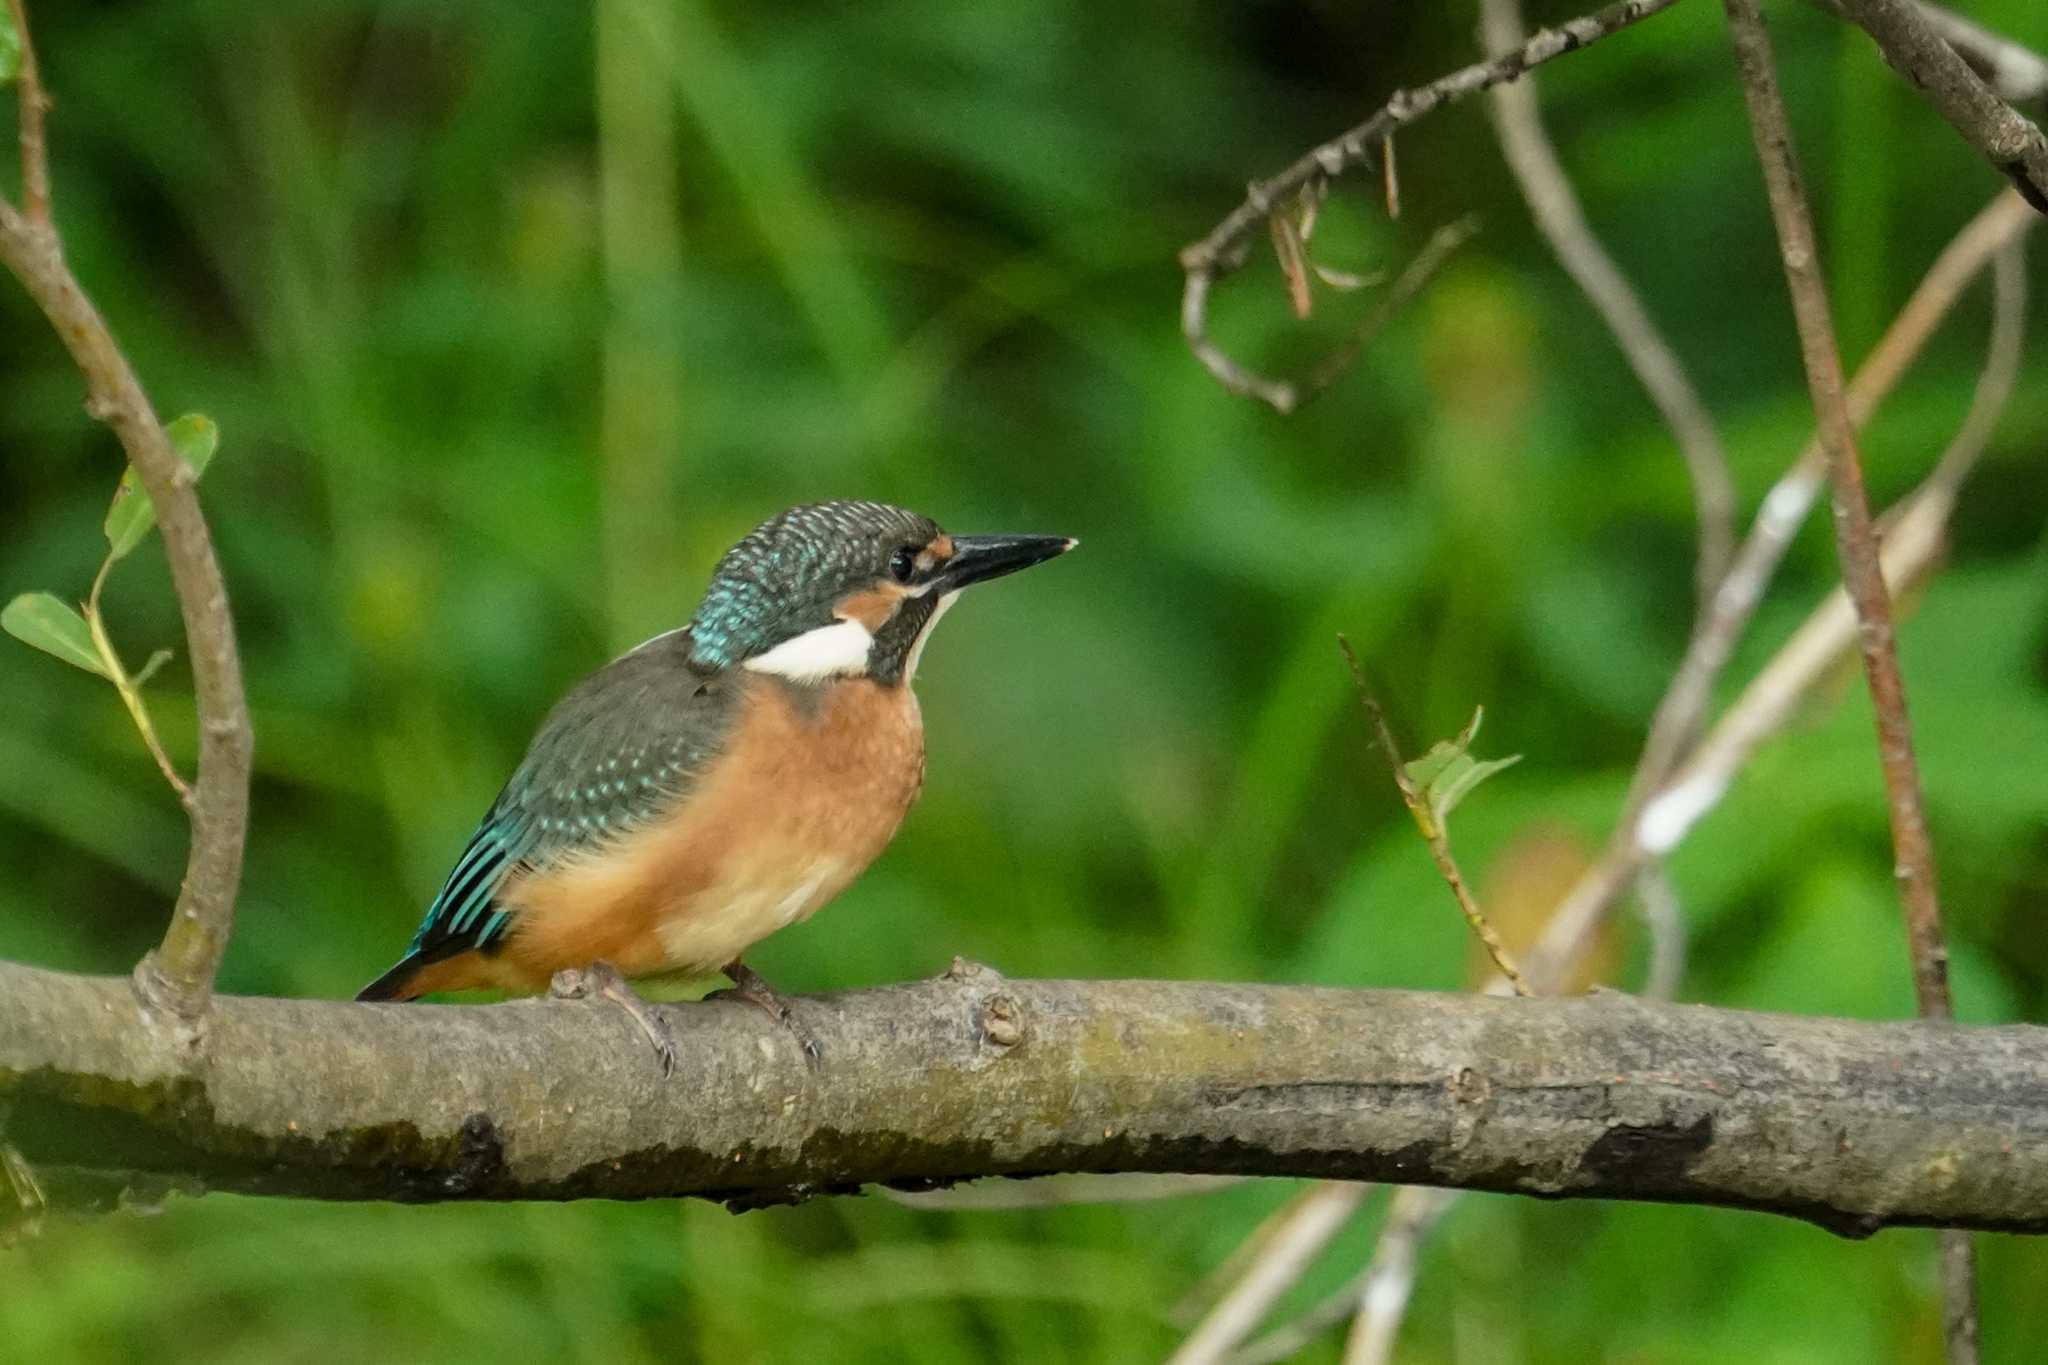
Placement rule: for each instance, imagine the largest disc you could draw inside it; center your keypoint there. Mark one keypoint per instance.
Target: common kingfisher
(720, 781)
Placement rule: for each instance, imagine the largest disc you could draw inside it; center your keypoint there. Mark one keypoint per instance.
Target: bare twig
(1390, 1279)
(35, 104)
(1380, 1297)
(1432, 829)
(178, 975)
(1665, 919)
(1911, 548)
(1785, 506)
(1518, 122)
(1417, 273)
(2001, 371)
(1959, 1321)
(1375, 1299)
(1764, 708)
(1931, 63)
(2007, 139)
(1228, 244)
(1855, 535)
(1297, 1334)
(1663, 802)
(1304, 1228)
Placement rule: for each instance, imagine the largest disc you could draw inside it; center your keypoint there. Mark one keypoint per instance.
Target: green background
(925, 252)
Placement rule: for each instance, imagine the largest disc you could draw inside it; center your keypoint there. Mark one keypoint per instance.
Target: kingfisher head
(838, 589)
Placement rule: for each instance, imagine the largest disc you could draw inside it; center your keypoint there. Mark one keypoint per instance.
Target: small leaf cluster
(78, 635)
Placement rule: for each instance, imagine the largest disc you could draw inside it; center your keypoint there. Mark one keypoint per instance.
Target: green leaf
(193, 436)
(1447, 774)
(51, 625)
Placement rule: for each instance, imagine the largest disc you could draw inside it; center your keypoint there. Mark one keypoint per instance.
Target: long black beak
(976, 559)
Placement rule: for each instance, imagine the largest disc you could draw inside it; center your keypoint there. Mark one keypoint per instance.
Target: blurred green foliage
(507, 342)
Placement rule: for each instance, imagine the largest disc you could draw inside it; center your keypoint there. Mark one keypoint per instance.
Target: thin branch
(2004, 222)
(1417, 273)
(1687, 792)
(2007, 139)
(1665, 919)
(34, 105)
(1784, 508)
(1862, 574)
(2001, 370)
(1604, 1096)
(1959, 1319)
(1228, 244)
(1899, 31)
(1389, 1280)
(1304, 1228)
(1432, 828)
(1297, 1334)
(178, 976)
(1821, 644)
(1664, 801)
(1911, 548)
(1518, 123)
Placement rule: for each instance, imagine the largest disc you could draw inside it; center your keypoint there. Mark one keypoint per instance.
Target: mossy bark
(1854, 1126)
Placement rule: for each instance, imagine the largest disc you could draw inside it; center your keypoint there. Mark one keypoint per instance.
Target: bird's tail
(448, 967)
(400, 983)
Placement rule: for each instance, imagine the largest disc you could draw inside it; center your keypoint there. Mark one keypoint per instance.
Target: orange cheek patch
(872, 607)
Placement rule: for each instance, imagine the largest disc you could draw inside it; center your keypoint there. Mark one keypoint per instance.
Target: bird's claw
(749, 986)
(601, 980)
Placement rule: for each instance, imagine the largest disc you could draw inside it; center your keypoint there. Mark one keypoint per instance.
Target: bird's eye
(903, 563)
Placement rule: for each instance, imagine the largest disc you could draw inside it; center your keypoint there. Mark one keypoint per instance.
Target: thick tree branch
(178, 976)
(1855, 1126)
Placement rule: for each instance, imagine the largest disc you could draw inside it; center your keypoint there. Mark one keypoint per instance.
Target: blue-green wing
(620, 749)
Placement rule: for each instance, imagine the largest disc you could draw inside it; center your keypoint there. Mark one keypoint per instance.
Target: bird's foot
(601, 981)
(748, 985)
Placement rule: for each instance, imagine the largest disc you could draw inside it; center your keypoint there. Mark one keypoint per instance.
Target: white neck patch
(917, 645)
(825, 652)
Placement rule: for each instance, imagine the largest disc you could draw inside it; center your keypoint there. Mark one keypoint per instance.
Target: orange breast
(808, 792)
